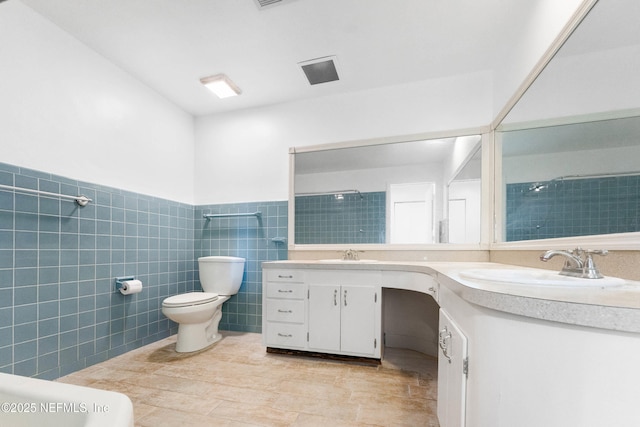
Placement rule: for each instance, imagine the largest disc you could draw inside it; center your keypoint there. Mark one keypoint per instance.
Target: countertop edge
(590, 308)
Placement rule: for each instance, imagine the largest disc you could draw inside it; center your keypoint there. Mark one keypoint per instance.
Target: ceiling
(170, 44)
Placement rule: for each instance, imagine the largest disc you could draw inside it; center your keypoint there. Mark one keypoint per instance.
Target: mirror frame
(486, 231)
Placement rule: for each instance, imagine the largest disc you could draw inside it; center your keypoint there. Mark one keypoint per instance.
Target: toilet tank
(221, 274)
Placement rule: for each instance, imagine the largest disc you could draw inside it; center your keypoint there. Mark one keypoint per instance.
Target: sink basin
(536, 277)
(347, 261)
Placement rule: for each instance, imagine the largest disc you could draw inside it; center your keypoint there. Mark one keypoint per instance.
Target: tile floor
(236, 383)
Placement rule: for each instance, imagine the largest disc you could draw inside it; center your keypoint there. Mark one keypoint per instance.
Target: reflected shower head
(537, 187)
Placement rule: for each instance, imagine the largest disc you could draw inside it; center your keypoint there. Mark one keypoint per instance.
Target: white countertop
(614, 308)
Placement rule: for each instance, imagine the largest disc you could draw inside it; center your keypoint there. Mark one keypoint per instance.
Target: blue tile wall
(355, 218)
(576, 207)
(256, 239)
(59, 311)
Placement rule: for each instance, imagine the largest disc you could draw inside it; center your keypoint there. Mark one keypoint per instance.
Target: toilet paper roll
(131, 287)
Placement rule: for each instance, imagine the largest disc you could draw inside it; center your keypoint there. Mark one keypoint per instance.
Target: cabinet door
(324, 317)
(358, 325)
(452, 373)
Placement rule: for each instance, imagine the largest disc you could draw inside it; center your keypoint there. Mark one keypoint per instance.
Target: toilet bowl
(198, 314)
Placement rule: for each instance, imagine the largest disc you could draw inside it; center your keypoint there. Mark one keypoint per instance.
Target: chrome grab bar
(80, 200)
(257, 214)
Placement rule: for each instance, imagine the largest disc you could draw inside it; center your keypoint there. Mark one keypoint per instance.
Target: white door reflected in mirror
(411, 212)
(464, 211)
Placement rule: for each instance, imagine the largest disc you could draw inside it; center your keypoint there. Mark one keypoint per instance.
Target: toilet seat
(190, 299)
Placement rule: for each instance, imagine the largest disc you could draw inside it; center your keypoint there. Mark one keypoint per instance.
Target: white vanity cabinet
(452, 373)
(342, 319)
(411, 281)
(327, 311)
(284, 300)
(345, 312)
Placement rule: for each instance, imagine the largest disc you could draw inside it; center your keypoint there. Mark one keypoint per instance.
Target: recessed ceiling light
(221, 85)
(320, 70)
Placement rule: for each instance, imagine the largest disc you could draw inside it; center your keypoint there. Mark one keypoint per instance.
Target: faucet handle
(601, 252)
(590, 269)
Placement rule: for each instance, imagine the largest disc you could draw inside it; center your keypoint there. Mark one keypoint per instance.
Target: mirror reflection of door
(411, 217)
(464, 211)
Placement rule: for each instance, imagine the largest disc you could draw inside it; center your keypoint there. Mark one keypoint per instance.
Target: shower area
(574, 179)
(578, 205)
(342, 217)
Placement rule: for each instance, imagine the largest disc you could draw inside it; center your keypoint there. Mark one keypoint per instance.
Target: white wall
(367, 180)
(546, 21)
(462, 151)
(583, 84)
(544, 167)
(66, 110)
(248, 150)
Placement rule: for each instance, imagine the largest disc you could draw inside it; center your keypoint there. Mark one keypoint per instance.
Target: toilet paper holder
(119, 281)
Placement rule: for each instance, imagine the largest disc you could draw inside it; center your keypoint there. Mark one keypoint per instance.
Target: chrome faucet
(578, 262)
(350, 255)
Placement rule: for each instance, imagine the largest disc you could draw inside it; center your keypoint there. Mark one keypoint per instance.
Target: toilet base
(198, 336)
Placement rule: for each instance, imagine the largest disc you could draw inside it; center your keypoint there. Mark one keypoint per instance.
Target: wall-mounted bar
(257, 214)
(80, 200)
(596, 175)
(331, 193)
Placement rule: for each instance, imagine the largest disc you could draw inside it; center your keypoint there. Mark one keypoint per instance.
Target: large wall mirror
(570, 148)
(412, 192)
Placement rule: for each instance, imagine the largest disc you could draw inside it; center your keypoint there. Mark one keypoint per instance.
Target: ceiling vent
(267, 3)
(320, 70)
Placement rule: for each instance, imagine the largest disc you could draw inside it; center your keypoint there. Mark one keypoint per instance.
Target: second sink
(347, 261)
(536, 277)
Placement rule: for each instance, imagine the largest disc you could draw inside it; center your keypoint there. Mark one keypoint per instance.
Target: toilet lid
(190, 298)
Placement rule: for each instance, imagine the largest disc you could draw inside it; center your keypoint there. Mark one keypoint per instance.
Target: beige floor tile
(330, 408)
(236, 383)
(162, 417)
(398, 414)
(182, 402)
(314, 390)
(309, 420)
(140, 410)
(251, 413)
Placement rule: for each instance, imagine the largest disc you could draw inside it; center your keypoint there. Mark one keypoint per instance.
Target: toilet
(198, 314)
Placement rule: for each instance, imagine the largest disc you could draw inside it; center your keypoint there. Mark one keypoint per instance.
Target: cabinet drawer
(285, 311)
(286, 290)
(286, 335)
(285, 276)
